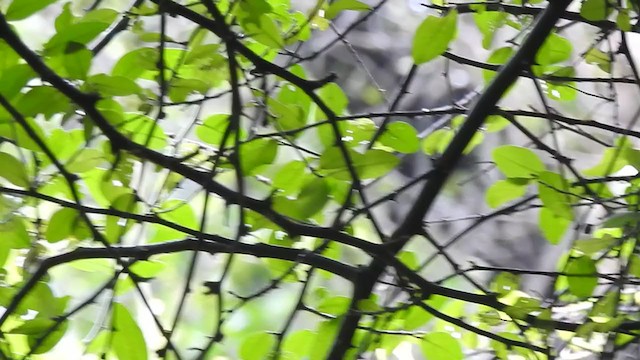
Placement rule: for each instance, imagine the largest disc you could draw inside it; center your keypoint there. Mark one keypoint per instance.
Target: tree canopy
(182, 180)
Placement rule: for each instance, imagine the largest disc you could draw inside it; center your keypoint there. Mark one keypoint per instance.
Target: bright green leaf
(334, 98)
(22, 9)
(290, 177)
(503, 191)
(505, 283)
(476, 140)
(599, 58)
(213, 128)
(489, 22)
(555, 49)
(87, 159)
(433, 36)
(401, 137)
(495, 123)
(517, 162)
(553, 227)
(45, 100)
(127, 342)
(441, 346)
(582, 286)
(613, 159)
(437, 141)
(497, 57)
(112, 85)
(373, 164)
(135, 63)
(312, 198)
(77, 62)
(341, 5)
(13, 170)
(143, 130)
(553, 192)
(257, 153)
(336, 305)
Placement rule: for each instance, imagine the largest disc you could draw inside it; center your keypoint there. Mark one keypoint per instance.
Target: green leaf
(180, 89)
(437, 141)
(77, 61)
(39, 327)
(334, 98)
(117, 227)
(312, 199)
(503, 191)
(599, 58)
(634, 265)
(290, 177)
(441, 346)
(517, 162)
(613, 159)
(489, 22)
(358, 131)
(629, 219)
(257, 153)
(553, 192)
(22, 9)
(257, 346)
(401, 137)
(298, 344)
(605, 307)
(135, 63)
(35, 326)
(178, 212)
(433, 36)
(42, 300)
(417, 316)
(45, 100)
(112, 85)
(147, 269)
(13, 170)
(595, 244)
(86, 160)
(582, 286)
(14, 234)
(476, 140)
(594, 10)
(553, 227)
(19, 135)
(623, 20)
(336, 305)
(323, 340)
(143, 130)
(497, 57)
(61, 224)
(81, 33)
(373, 164)
(13, 79)
(495, 123)
(341, 5)
(505, 283)
(555, 49)
(128, 342)
(557, 92)
(290, 109)
(264, 30)
(213, 128)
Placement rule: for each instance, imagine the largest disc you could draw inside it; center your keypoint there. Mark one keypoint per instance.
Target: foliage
(204, 195)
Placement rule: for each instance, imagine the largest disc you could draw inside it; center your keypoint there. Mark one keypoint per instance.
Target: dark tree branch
(412, 224)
